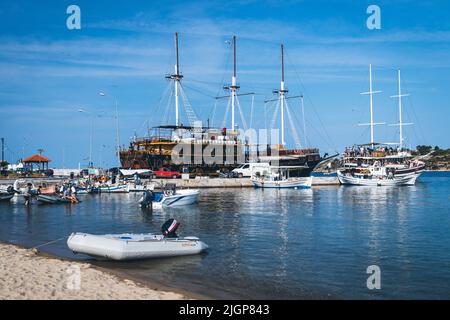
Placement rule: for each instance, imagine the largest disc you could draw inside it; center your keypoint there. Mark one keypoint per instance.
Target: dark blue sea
(274, 244)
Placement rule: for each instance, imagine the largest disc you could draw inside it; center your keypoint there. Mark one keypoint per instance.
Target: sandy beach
(27, 275)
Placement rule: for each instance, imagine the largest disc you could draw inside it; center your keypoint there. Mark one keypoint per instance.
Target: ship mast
(282, 100)
(282, 92)
(370, 93)
(234, 95)
(176, 77)
(400, 115)
(234, 87)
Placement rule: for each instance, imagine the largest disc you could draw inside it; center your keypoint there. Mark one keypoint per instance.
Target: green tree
(422, 150)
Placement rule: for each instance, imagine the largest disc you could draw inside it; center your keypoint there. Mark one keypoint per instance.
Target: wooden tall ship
(195, 149)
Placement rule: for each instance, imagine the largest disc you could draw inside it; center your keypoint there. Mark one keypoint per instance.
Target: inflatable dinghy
(129, 246)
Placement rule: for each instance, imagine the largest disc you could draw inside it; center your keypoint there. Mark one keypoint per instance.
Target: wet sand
(25, 274)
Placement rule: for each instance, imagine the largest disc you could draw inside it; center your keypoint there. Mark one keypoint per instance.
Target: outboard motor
(169, 227)
(147, 199)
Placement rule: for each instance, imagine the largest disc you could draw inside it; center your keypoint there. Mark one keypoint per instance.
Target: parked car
(166, 173)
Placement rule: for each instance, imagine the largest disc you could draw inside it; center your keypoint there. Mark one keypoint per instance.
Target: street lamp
(90, 135)
(104, 94)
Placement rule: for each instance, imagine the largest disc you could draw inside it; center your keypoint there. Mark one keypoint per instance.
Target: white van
(248, 169)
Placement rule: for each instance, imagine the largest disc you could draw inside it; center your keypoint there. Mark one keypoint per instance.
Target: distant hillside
(435, 158)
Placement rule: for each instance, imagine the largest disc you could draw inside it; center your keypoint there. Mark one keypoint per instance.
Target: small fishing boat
(170, 197)
(291, 183)
(129, 246)
(53, 199)
(278, 178)
(118, 188)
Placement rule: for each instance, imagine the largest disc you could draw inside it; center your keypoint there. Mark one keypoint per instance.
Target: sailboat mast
(176, 77)
(233, 86)
(400, 120)
(371, 105)
(282, 97)
(234, 56)
(372, 123)
(304, 121)
(176, 82)
(400, 123)
(177, 68)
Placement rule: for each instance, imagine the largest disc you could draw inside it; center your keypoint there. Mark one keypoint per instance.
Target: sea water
(273, 244)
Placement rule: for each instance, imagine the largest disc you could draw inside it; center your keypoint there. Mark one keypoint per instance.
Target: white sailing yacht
(378, 164)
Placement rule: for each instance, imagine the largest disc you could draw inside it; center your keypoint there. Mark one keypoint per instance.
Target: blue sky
(126, 48)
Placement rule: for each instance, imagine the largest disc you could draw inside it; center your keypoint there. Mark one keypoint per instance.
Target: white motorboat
(175, 198)
(170, 196)
(278, 177)
(6, 196)
(129, 246)
(114, 188)
(291, 183)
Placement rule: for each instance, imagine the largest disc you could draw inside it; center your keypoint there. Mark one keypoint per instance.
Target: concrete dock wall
(236, 182)
(194, 183)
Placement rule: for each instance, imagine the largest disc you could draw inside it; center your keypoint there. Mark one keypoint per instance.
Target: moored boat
(129, 246)
(54, 199)
(170, 196)
(291, 183)
(118, 188)
(380, 164)
(278, 177)
(6, 196)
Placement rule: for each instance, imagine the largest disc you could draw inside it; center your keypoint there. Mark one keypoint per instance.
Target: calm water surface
(276, 244)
